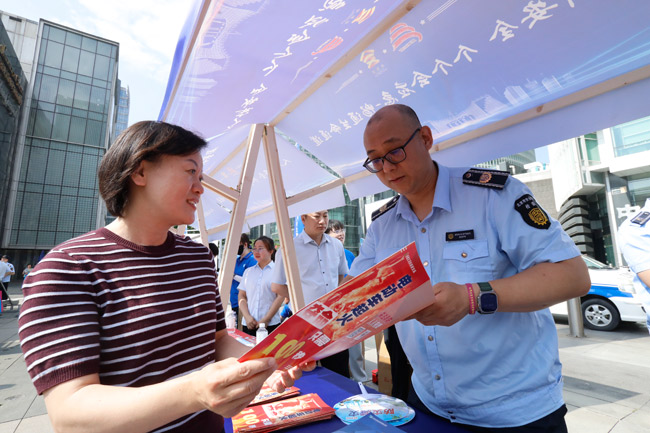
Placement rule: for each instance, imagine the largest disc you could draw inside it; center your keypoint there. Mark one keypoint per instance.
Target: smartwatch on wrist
(487, 299)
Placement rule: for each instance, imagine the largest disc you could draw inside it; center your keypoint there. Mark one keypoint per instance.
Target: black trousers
(551, 423)
(338, 363)
(400, 367)
(252, 332)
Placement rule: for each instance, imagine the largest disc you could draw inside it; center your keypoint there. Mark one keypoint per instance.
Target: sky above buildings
(147, 31)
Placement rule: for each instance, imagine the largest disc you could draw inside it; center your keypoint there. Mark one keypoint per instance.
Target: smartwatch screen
(488, 302)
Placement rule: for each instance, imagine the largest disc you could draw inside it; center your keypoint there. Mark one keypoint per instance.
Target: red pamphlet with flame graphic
(390, 291)
(282, 414)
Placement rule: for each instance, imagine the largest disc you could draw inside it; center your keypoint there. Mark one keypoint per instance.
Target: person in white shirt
(257, 302)
(8, 273)
(4, 269)
(322, 264)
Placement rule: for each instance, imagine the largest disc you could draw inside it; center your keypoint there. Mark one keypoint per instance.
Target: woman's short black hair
(214, 248)
(142, 141)
(335, 225)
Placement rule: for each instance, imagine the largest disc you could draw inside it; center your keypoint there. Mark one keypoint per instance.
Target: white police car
(610, 300)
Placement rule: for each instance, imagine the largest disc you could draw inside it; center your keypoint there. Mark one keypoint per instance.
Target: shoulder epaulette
(641, 218)
(385, 208)
(487, 178)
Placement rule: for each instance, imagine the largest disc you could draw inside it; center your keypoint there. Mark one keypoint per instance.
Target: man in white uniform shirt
(4, 288)
(322, 264)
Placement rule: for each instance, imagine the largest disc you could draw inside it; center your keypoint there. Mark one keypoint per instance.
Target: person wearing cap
(490, 249)
(634, 243)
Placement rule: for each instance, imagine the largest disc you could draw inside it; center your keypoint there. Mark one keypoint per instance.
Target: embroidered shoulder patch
(531, 212)
(385, 208)
(641, 218)
(487, 178)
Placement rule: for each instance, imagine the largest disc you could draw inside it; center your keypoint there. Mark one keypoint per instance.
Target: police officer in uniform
(634, 242)
(489, 249)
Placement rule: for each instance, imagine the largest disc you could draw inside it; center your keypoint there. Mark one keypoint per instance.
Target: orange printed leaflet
(390, 291)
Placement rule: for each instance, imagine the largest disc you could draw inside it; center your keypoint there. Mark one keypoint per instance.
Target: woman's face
(173, 187)
(260, 252)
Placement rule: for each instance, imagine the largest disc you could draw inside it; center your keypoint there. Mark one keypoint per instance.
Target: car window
(594, 264)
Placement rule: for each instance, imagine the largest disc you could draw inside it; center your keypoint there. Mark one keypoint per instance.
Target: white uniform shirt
(256, 282)
(319, 265)
(495, 370)
(634, 242)
(3, 270)
(10, 268)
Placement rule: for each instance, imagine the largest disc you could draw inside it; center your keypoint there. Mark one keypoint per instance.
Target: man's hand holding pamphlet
(388, 292)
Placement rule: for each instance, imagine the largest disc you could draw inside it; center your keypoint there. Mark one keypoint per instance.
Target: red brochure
(390, 291)
(282, 414)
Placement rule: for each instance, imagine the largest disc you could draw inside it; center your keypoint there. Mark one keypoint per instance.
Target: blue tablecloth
(332, 388)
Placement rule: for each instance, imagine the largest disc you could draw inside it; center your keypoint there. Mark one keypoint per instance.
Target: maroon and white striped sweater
(136, 315)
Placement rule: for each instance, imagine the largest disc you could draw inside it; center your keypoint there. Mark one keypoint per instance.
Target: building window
(632, 137)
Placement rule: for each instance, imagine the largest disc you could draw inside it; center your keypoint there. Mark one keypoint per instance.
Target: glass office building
(122, 114)
(65, 133)
(12, 89)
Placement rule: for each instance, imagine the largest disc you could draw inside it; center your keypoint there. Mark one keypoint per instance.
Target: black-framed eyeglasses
(395, 156)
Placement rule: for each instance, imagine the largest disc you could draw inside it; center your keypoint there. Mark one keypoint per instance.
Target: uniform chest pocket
(467, 256)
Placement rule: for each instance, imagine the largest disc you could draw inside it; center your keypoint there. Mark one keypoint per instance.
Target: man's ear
(138, 177)
(302, 218)
(427, 137)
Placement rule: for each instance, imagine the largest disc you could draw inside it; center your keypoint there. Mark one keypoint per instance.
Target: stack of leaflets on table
(388, 292)
(282, 414)
(368, 424)
(267, 395)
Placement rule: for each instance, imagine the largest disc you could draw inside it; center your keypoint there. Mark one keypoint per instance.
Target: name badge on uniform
(641, 218)
(462, 235)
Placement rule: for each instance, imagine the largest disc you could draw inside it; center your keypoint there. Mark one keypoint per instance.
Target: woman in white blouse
(257, 303)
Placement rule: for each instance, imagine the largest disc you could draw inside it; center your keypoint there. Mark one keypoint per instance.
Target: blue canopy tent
(281, 88)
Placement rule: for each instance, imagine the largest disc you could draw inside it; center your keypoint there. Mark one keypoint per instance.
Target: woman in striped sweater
(122, 328)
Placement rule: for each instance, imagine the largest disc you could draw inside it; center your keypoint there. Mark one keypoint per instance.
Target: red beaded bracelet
(472, 300)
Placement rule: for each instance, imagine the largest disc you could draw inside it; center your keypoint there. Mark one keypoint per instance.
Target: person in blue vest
(244, 261)
(634, 243)
(488, 248)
